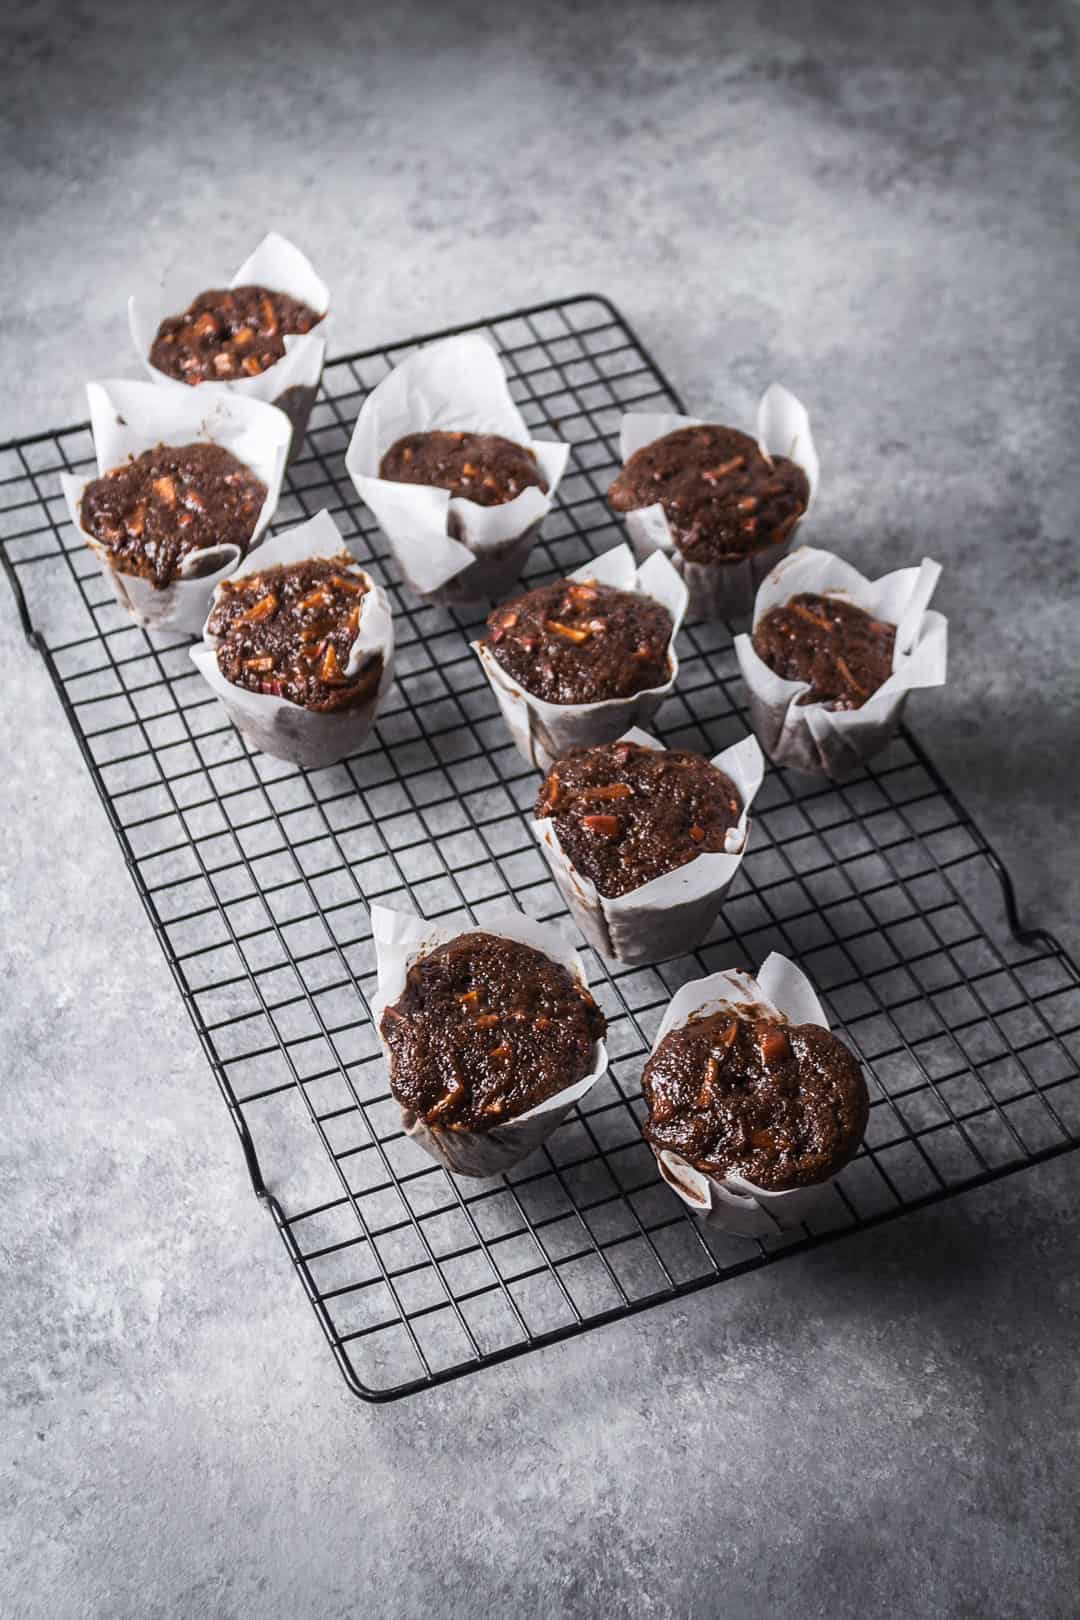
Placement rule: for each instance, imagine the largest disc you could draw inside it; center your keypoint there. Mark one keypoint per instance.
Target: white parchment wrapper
(401, 937)
(809, 737)
(451, 549)
(544, 731)
(722, 590)
(293, 382)
(671, 914)
(127, 418)
(287, 730)
(733, 1204)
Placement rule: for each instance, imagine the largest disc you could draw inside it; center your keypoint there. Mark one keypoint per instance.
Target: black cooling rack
(256, 878)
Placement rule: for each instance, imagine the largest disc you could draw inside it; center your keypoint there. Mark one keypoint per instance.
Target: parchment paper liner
(400, 937)
(671, 914)
(287, 730)
(293, 382)
(722, 590)
(127, 418)
(809, 737)
(543, 731)
(450, 549)
(732, 1204)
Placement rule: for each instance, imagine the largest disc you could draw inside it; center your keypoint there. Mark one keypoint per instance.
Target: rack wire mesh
(256, 877)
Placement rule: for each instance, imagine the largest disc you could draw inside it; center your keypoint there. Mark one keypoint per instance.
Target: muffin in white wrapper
(808, 736)
(722, 590)
(400, 938)
(451, 549)
(544, 731)
(732, 1204)
(287, 730)
(293, 381)
(127, 418)
(671, 914)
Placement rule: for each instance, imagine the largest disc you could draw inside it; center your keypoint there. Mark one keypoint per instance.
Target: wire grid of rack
(256, 877)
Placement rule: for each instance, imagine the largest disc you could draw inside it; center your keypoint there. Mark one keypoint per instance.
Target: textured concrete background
(879, 206)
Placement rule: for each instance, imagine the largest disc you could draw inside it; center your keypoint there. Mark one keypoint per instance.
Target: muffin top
(740, 1092)
(486, 1029)
(288, 631)
(577, 641)
(842, 651)
(482, 467)
(626, 814)
(229, 332)
(152, 510)
(722, 498)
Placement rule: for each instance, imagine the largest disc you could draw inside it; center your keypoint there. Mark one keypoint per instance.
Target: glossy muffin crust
(485, 1029)
(229, 332)
(626, 814)
(152, 511)
(576, 641)
(741, 1093)
(842, 651)
(723, 499)
(482, 467)
(289, 631)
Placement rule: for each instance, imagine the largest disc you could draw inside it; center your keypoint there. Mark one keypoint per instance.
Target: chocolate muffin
(625, 814)
(229, 332)
(482, 467)
(741, 1092)
(577, 641)
(842, 651)
(485, 1029)
(723, 499)
(152, 511)
(288, 632)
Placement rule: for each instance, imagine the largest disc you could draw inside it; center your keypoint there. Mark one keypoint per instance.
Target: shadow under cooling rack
(257, 876)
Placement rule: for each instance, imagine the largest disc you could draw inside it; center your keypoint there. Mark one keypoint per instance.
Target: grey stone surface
(879, 206)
